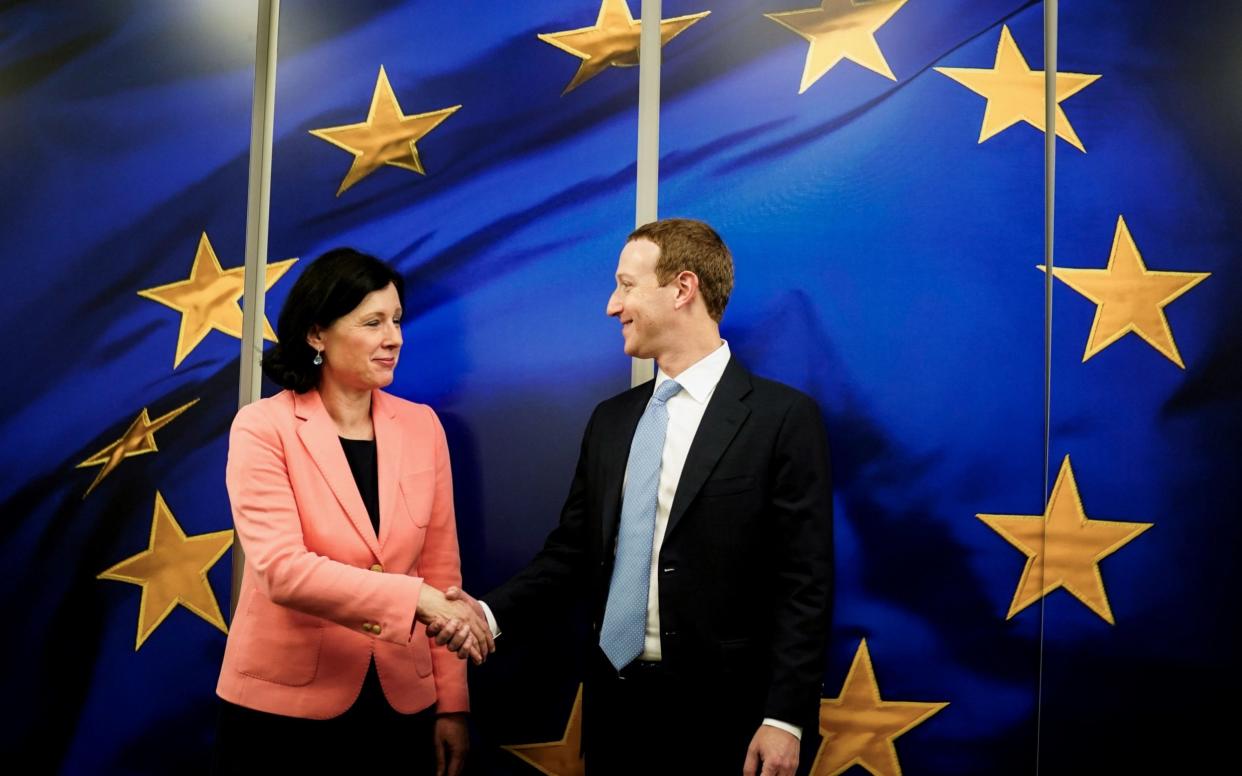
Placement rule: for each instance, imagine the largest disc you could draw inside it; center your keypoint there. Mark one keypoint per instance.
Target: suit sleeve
(801, 512)
(440, 565)
(558, 572)
(265, 515)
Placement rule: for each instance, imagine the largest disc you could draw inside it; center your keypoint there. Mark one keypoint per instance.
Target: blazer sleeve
(440, 564)
(801, 512)
(265, 515)
(557, 573)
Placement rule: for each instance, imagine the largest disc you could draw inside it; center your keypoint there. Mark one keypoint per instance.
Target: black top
(362, 462)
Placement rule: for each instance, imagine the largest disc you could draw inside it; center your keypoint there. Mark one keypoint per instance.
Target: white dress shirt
(685, 412)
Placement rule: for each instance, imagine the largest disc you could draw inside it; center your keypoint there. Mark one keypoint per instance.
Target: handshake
(455, 619)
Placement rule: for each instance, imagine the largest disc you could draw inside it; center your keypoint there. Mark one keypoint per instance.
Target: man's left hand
(772, 752)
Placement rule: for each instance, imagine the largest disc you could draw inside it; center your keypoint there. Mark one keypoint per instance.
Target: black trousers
(249, 741)
(650, 721)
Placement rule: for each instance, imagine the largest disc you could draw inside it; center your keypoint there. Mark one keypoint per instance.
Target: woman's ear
(314, 338)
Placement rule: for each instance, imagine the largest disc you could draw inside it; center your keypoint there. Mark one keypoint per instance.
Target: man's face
(639, 302)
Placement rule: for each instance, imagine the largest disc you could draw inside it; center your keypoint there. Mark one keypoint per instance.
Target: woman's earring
(318, 358)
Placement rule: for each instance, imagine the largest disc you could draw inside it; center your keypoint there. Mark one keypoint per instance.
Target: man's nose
(614, 304)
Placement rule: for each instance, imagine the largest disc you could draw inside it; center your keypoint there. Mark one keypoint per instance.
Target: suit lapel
(389, 444)
(721, 421)
(620, 427)
(318, 433)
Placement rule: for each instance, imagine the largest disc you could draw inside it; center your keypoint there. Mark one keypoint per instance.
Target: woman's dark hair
(330, 287)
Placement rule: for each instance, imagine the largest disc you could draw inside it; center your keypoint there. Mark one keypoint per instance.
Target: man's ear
(687, 285)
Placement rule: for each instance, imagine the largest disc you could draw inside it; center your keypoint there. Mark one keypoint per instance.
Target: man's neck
(689, 352)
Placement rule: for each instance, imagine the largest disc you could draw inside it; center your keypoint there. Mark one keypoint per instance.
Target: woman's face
(360, 348)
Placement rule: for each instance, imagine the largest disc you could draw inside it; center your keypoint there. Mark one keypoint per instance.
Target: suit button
(377, 567)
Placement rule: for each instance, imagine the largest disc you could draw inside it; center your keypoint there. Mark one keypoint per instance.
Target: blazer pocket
(418, 491)
(737, 654)
(420, 651)
(280, 645)
(727, 486)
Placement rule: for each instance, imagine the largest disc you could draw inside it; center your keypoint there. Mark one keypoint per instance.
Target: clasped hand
(460, 630)
(457, 621)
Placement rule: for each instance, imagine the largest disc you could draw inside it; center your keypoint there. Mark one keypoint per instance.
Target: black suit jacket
(746, 565)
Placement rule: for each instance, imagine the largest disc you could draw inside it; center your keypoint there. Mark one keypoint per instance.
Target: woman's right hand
(473, 640)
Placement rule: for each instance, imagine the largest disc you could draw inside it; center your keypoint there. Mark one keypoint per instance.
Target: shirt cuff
(792, 730)
(491, 619)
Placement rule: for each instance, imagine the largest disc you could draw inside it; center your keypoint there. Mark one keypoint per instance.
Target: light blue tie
(625, 615)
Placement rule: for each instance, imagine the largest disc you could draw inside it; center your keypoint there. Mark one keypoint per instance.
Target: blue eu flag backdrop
(877, 170)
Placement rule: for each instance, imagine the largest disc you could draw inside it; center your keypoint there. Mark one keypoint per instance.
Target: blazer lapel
(721, 421)
(389, 445)
(318, 433)
(619, 428)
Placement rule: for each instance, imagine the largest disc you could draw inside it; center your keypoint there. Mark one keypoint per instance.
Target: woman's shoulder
(269, 411)
(406, 411)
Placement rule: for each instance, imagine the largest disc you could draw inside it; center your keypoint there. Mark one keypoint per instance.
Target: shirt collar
(699, 381)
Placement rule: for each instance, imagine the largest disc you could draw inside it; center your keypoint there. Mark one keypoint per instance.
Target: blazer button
(377, 567)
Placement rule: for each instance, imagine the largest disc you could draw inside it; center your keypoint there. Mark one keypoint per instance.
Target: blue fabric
(885, 265)
(625, 616)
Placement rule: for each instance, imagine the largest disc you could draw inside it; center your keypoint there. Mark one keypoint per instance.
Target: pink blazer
(322, 593)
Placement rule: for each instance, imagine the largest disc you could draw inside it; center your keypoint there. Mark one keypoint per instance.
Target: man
(699, 526)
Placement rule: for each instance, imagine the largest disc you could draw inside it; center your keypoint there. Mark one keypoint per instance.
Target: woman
(342, 498)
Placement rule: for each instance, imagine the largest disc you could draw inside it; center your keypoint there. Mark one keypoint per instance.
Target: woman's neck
(350, 410)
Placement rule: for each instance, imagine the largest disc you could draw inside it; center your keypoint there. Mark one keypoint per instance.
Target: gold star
(388, 136)
(859, 728)
(557, 758)
(139, 438)
(1129, 297)
(612, 41)
(173, 570)
(1063, 547)
(1016, 93)
(840, 29)
(209, 298)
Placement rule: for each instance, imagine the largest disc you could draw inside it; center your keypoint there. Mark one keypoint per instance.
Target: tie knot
(666, 390)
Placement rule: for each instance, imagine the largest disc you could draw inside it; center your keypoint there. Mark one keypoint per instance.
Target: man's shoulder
(761, 390)
(768, 389)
